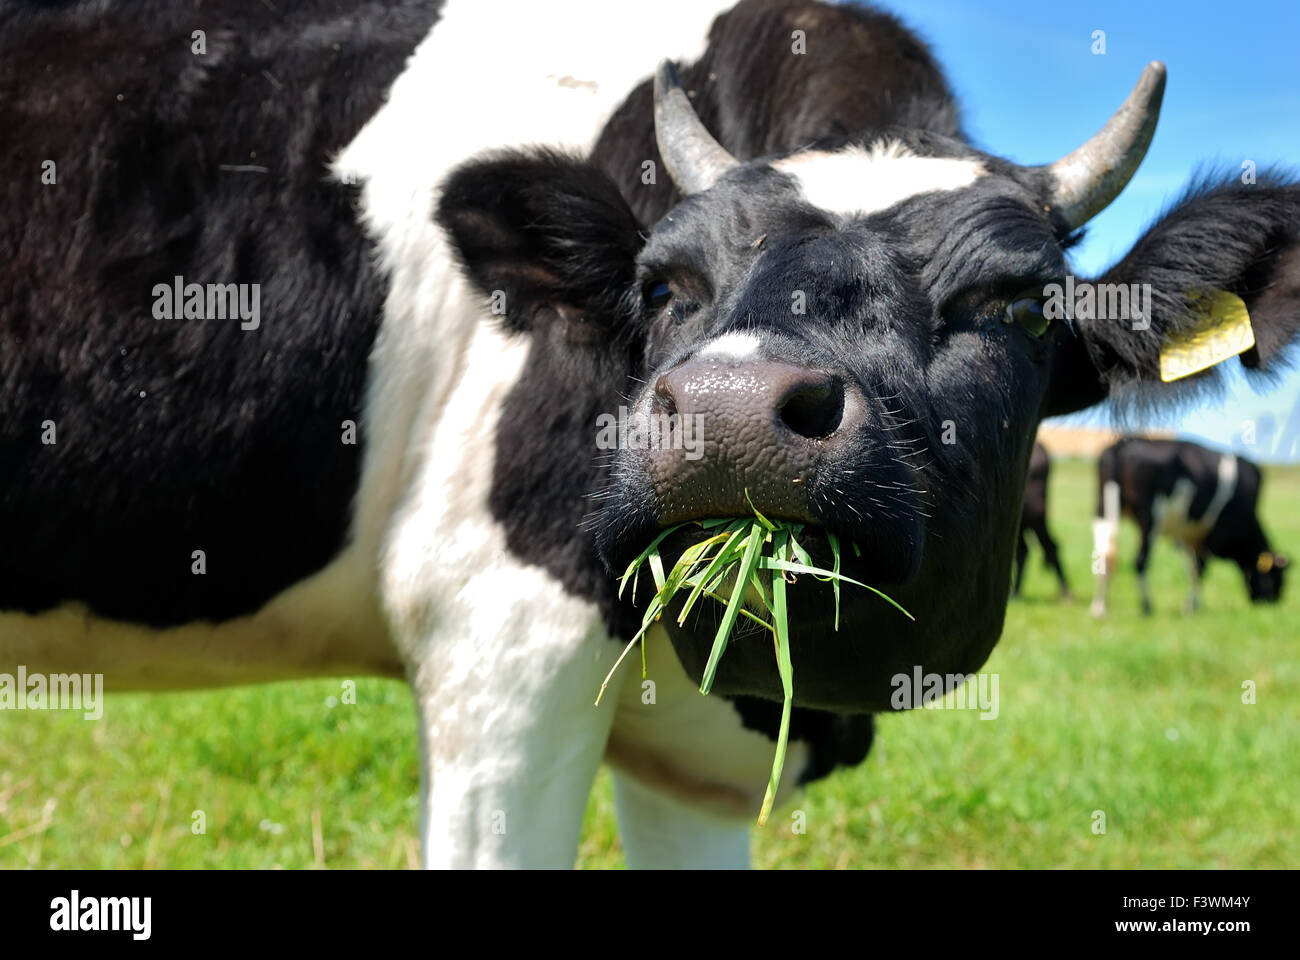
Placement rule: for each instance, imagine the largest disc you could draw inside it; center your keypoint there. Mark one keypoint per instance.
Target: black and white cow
(1204, 501)
(1033, 517)
(849, 295)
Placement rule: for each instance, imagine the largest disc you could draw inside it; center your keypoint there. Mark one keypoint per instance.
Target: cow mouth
(840, 662)
(819, 622)
(884, 551)
(811, 536)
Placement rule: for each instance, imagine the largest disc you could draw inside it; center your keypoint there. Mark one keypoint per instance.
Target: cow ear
(1222, 247)
(541, 233)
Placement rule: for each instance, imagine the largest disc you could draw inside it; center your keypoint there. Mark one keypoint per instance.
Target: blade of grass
(719, 522)
(834, 541)
(745, 613)
(757, 583)
(669, 585)
(651, 614)
(769, 797)
(806, 559)
(720, 559)
(761, 519)
(799, 551)
(636, 564)
(771, 563)
(781, 619)
(780, 615)
(657, 571)
(774, 563)
(747, 564)
(681, 572)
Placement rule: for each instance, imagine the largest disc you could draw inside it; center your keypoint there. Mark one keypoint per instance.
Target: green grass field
(1139, 718)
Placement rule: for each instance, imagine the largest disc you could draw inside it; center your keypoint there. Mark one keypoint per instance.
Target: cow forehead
(860, 180)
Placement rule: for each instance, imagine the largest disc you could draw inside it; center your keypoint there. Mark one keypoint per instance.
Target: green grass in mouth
(752, 550)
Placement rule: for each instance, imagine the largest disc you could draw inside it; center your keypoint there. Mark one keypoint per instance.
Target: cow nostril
(814, 410)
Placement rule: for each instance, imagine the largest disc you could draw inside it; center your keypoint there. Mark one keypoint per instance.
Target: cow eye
(667, 302)
(657, 295)
(1028, 313)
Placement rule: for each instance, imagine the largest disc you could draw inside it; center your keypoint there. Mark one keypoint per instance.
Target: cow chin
(849, 668)
(844, 665)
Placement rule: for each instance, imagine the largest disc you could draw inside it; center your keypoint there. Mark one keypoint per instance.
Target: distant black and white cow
(1205, 502)
(370, 445)
(1033, 517)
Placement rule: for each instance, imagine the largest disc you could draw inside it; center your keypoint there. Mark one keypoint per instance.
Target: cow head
(863, 334)
(1264, 581)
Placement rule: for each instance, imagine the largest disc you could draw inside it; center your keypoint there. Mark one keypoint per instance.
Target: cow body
(338, 468)
(1033, 517)
(1202, 501)
(390, 469)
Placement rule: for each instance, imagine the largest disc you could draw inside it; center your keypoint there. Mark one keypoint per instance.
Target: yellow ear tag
(1265, 563)
(1223, 331)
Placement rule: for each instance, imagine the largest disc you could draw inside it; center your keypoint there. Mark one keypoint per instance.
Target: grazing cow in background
(1203, 501)
(378, 452)
(1033, 516)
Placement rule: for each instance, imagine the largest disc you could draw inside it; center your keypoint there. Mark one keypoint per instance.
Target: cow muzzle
(753, 436)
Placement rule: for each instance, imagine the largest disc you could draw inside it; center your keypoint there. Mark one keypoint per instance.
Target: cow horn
(1086, 181)
(691, 156)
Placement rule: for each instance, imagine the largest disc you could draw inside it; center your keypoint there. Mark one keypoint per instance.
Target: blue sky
(1032, 90)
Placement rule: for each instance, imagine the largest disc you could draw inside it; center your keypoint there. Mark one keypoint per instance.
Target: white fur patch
(860, 181)
(1105, 544)
(732, 346)
(1173, 513)
(471, 86)
(1225, 489)
(503, 661)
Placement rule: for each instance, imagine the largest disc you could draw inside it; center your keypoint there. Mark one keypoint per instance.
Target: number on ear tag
(1223, 331)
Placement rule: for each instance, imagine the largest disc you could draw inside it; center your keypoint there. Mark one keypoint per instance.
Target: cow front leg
(1022, 554)
(505, 665)
(1104, 555)
(510, 742)
(1053, 558)
(1195, 568)
(661, 833)
(1143, 557)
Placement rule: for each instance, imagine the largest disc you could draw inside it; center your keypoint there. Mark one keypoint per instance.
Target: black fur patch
(180, 435)
(1033, 518)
